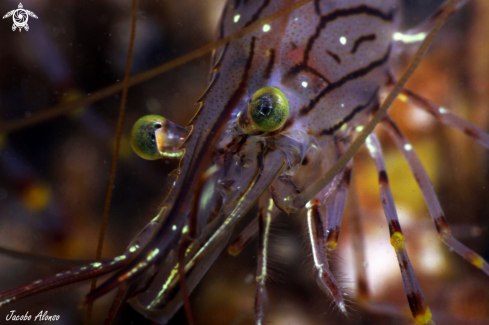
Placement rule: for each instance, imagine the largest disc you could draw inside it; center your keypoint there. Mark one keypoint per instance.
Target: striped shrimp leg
(317, 235)
(445, 116)
(430, 198)
(264, 220)
(417, 303)
(335, 208)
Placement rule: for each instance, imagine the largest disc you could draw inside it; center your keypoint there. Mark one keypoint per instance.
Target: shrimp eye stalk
(267, 111)
(154, 137)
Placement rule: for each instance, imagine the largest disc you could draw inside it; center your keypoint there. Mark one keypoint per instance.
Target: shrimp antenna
(64, 108)
(115, 153)
(301, 199)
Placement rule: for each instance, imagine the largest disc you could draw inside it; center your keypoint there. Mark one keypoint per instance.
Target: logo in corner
(20, 17)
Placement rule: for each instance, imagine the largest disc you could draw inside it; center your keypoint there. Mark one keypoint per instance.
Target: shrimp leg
(317, 235)
(250, 231)
(335, 208)
(261, 296)
(430, 198)
(417, 303)
(445, 116)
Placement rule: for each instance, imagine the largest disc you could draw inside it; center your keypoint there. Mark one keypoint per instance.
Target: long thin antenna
(115, 153)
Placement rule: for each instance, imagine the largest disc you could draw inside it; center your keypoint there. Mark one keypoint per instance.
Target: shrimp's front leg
(317, 234)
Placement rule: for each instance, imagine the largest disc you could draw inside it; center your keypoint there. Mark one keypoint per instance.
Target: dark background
(53, 175)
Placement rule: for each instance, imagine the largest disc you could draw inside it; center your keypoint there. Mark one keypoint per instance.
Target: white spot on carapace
(343, 40)
(174, 228)
(443, 110)
(408, 147)
(405, 38)
(236, 18)
(266, 28)
(97, 264)
(304, 84)
(342, 105)
(132, 249)
(359, 128)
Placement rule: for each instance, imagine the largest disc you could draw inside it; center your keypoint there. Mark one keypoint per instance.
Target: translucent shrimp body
(324, 77)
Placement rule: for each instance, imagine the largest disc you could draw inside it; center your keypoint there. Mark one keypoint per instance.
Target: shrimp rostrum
(283, 103)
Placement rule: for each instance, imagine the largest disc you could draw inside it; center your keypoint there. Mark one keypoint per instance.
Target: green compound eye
(154, 137)
(268, 109)
(143, 136)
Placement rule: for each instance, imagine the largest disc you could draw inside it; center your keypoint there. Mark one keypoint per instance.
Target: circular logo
(20, 17)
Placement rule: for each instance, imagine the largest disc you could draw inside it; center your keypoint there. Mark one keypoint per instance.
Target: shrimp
(242, 155)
